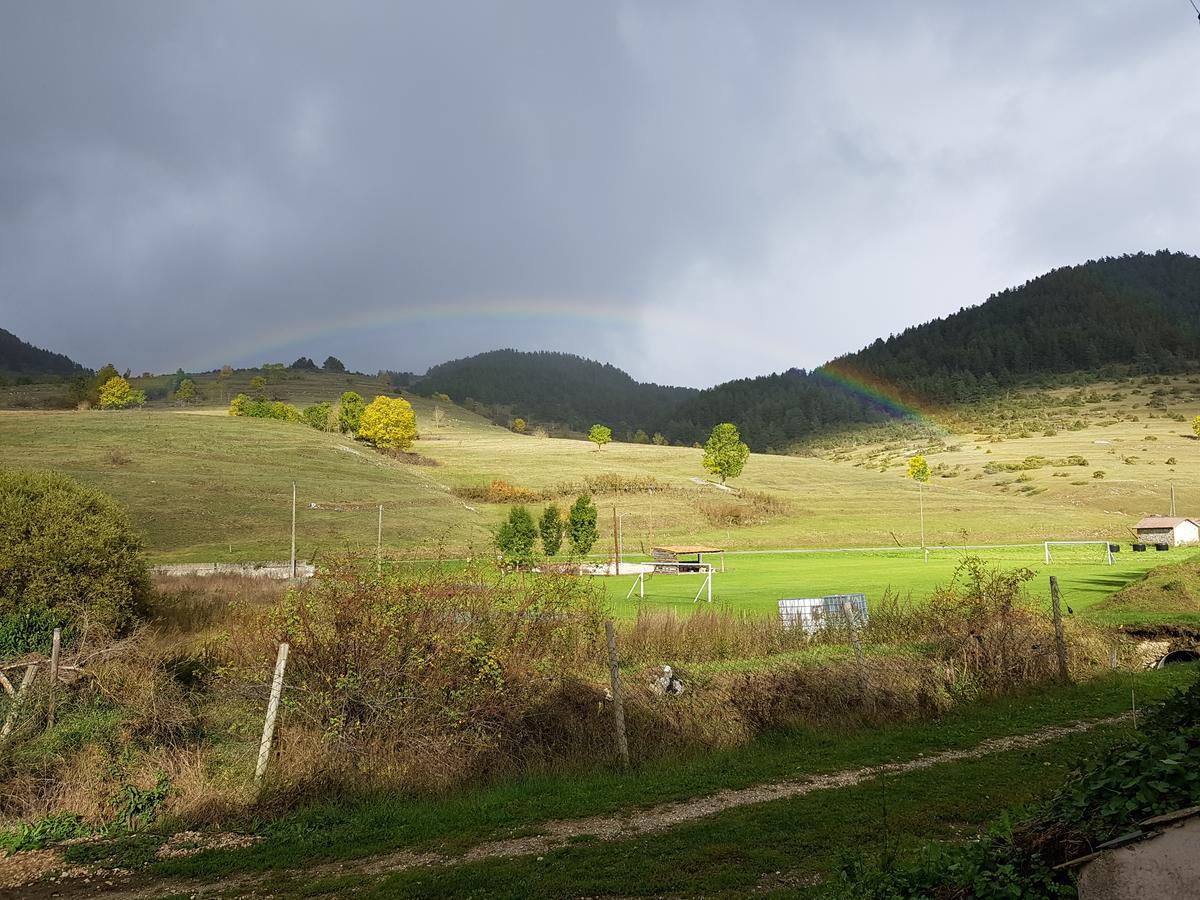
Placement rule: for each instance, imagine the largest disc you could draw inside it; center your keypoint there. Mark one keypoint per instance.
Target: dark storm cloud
(732, 187)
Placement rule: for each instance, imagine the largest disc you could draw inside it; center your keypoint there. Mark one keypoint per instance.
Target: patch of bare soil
(555, 834)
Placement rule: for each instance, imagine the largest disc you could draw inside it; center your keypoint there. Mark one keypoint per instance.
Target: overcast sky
(692, 191)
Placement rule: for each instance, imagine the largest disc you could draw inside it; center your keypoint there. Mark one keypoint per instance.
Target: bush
(418, 676)
(318, 415)
(67, 557)
(117, 394)
(241, 405)
(499, 491)
(350, 410)
(388, 423)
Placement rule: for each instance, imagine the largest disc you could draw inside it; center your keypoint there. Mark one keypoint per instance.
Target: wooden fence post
(55, 650)
(264, 748)
(1060, 641)
(614, 676)
(11, 719)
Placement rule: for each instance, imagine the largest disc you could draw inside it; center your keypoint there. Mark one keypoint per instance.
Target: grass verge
(365, 826)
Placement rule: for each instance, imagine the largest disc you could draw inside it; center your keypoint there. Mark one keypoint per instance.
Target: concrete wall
(249, 570)
(1162, 867)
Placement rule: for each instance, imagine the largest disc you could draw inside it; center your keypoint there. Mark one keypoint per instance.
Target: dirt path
(555, 833)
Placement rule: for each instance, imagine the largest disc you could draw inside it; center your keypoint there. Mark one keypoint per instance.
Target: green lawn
(754, 583)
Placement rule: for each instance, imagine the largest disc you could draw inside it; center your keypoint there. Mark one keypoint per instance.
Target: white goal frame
(1108, 556)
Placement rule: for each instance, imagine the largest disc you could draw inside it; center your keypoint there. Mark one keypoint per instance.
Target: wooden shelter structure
(1174, 531)
(685, 559)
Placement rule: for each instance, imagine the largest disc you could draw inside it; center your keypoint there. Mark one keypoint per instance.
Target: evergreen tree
(516, 537)
(551, 528)
(581, 526)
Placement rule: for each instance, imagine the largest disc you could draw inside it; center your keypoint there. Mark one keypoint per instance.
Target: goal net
(1078, 551)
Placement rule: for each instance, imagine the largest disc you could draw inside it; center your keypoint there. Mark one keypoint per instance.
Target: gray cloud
(692, 191)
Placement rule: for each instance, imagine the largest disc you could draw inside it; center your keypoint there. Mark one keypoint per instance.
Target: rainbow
(591, 314)
(878, 394)
(595, 314)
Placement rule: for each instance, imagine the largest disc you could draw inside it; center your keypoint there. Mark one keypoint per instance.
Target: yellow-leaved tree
(388, 423)
(116, 393)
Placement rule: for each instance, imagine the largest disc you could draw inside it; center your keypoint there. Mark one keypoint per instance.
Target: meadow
(761, 703)
(753, 583)
(1067, 463)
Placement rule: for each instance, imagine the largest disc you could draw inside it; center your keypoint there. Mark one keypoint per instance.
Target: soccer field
(755, 582)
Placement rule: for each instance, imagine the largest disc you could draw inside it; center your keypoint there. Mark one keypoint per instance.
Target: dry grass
(426, 677)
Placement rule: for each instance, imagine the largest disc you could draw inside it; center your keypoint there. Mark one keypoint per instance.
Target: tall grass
(423, 677)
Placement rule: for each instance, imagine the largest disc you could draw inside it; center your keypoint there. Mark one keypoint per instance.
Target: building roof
(1164, 522)
(690, 549)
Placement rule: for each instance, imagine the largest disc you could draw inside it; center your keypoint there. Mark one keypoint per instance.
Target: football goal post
(1107, 554)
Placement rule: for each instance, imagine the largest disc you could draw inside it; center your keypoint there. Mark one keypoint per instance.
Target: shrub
(422, 675)
(67, 556)
(318, 415)
(616, 483)
(117, 394)
(350, 410)
(241, 405)
(388, 423)
(498, 491)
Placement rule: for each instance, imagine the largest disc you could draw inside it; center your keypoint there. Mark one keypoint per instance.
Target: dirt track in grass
(555, 834)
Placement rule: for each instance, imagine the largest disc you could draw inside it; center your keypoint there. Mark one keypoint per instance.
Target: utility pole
(1172, 498)
(616, 541)
(921, 494)
(293, 529)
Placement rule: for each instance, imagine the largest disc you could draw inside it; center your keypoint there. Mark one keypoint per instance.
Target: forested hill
(771, 411)
(1138, 313)
(555, 388)
(20, 358)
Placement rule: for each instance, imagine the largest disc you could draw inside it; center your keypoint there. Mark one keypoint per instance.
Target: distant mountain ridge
(1136, 313)
(553, 387)
(1141, 310)
(20, 358)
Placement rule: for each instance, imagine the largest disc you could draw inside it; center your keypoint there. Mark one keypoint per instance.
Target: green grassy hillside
(202, 485)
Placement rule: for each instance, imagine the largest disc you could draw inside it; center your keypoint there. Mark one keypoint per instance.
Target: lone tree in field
(67, 557)
(518, 426)
(724, 453)
(186, 392)
(516, 538)
(388, 423)
(333, 364)
(551, 528)
(600, 435)
(581, 526)
(117, 394)
(350, 410)
(918, 471)
(258, 387)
